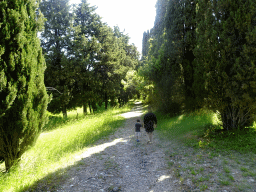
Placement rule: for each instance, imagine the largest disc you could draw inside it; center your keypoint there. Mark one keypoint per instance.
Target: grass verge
(201, 129)
(58, 145)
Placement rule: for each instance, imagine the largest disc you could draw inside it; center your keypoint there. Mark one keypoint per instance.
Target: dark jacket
(149, 121)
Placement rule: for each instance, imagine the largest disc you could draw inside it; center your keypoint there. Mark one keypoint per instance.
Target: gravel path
(120, 163)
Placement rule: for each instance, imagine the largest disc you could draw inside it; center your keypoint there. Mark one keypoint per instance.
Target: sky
(133, 17)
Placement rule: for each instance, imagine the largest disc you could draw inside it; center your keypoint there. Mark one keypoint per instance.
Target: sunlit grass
(199, 130)
(58, 145)
(185, 126)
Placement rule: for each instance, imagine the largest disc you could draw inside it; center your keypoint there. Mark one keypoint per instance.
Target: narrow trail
(120, 163)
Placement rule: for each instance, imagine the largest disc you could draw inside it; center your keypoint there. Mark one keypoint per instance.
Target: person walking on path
(137, 129)
(150, 121)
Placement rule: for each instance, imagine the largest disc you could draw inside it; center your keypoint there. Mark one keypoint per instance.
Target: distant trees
(22, 90)
(201, 54)
(87, 58)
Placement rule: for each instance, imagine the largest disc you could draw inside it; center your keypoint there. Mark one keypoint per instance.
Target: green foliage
(201, 130)
(170, 58)
(185, 127)
(240, 140)
(22, 90)
(55, 41)
(84, 56)
(200, 53)
(225, 55)
(145, 45)
(87, 58)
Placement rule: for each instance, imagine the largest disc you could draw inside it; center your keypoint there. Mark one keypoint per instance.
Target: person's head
(138, 120)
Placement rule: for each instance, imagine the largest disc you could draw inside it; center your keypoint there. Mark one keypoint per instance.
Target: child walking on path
(137, 129)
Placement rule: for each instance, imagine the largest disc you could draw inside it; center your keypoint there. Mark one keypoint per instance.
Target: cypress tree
(180, 29)
(226, 54)
(22, 90)
(188, 58)
(145, 44)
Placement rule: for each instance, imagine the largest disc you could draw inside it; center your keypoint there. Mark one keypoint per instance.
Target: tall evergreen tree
(55, 41)
(145, 44)
(165, 56)
(22, 90)
(170, 56)
(180, 29)
(188, 59)
(226, 54)
(109, 62)
(84, 54)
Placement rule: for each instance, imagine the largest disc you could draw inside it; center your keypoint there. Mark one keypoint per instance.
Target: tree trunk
(112, 102)
(85, 108)
(90, 107)
(234, 118)
(106, 101)
(119, 101)
(248, 119)
(190, 98)
(8, 163)
(64, 112)
(94, 106)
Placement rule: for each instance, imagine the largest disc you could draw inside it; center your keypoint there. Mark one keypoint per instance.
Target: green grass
(201, 129)
(185, 127)
(203, 187)
(58, 145)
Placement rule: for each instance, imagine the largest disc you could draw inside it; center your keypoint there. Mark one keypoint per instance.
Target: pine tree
(109, 61)
(84, 54)
(55, 41)
(225, 53)
(22, 90)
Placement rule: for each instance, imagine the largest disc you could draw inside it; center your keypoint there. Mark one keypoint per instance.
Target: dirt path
(120, 163)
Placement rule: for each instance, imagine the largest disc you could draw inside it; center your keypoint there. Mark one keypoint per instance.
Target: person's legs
(151, 137)
(148, 136)
(137, 134)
